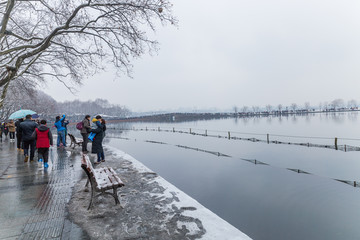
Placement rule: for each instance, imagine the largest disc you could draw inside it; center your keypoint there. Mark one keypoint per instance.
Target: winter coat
(59, 124)
(11, 127)
(97, 143)
(86, 126)
(27, 128)
(43, 137)
(17, 125)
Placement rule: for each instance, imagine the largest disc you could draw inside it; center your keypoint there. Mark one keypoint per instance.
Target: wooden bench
(75, 140)
(101, 180)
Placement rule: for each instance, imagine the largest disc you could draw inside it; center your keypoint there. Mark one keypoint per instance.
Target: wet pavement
(33, 200)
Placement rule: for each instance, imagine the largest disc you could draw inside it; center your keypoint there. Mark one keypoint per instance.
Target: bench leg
(87, 183)
(117, 201)
(92, 196)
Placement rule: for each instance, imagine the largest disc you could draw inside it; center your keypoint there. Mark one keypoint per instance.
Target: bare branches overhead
(69, 39)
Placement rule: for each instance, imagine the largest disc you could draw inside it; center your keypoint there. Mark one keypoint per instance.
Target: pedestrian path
(33, 200)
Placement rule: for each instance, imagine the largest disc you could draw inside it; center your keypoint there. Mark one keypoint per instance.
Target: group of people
(31, 135)
(8, 128)
(99, 131)
(36, 135)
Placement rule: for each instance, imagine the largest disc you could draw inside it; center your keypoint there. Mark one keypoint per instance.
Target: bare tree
(268, 108)
(279, 107)
(235, 108)
(326, 105)
(293, 106)
(245, 109)
(70, 39)
(21, 97)
(255, 109)
(307, 106)
(352, 103)
(320, 106)
(337, 103)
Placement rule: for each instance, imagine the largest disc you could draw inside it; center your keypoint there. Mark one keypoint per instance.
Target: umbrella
(21, 114)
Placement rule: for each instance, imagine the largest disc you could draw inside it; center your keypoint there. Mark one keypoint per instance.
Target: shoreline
(153, 208)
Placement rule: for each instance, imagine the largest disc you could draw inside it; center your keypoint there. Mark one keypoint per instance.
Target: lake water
(265, 201)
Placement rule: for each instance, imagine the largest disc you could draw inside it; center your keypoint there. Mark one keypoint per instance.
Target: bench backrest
(87, 166)
(72, 137)
(102, 178)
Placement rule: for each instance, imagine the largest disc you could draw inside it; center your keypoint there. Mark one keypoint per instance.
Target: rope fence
(352, 183)
(266, 138)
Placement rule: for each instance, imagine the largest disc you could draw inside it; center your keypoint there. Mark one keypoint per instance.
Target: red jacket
(42, 138)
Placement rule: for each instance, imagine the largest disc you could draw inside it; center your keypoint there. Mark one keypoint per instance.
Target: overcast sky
(241, 53)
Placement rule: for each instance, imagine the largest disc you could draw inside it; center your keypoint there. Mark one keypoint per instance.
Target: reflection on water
(264, 201)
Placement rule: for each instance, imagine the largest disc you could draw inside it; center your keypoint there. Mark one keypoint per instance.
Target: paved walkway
(33, 200)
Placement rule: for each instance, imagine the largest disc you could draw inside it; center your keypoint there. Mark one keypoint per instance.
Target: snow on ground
(216, 227)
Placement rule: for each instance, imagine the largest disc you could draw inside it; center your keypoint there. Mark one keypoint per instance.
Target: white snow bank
(216, 227)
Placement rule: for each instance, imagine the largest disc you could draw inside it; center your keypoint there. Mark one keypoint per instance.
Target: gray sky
(241, 52)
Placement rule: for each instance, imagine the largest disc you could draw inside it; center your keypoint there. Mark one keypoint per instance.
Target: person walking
(18, 134)
(1, 131)
(60, 130)
(11, 127)
(97, 142)
(27, 128)
(85, 132)
(64, 123)
(43, 137)
(6, 129)
(103, 123)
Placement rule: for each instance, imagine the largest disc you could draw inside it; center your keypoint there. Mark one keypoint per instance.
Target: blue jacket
(58, 124)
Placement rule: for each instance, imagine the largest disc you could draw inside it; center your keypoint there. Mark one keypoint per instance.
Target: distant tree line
(78, 109)
(334, 105)
(47, 107)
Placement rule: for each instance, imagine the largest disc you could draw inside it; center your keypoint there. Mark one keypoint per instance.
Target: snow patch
(216, 227)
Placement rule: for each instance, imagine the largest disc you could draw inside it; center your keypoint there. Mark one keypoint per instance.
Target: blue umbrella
(21, 114)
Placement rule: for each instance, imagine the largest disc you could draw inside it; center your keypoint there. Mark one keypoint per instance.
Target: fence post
(190, 130)
(205, 132)
(146, 128)
(173, 129)
(336, 145)
(268, 138)
(229, 135)
(345, 147)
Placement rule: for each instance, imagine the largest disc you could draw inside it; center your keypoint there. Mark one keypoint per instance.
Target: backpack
(80, 125)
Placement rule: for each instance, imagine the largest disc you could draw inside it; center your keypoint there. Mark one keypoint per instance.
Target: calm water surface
(264, 201)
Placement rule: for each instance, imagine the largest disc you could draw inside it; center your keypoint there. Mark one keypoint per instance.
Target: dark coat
(27, 128)
(97, 143)
(17, 125)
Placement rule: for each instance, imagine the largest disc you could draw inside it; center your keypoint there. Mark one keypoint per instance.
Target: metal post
(345, 147)
(173, 129)
(229, 135)
(268, 138)
(336, 145)
(190, 130)
(205, 132)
